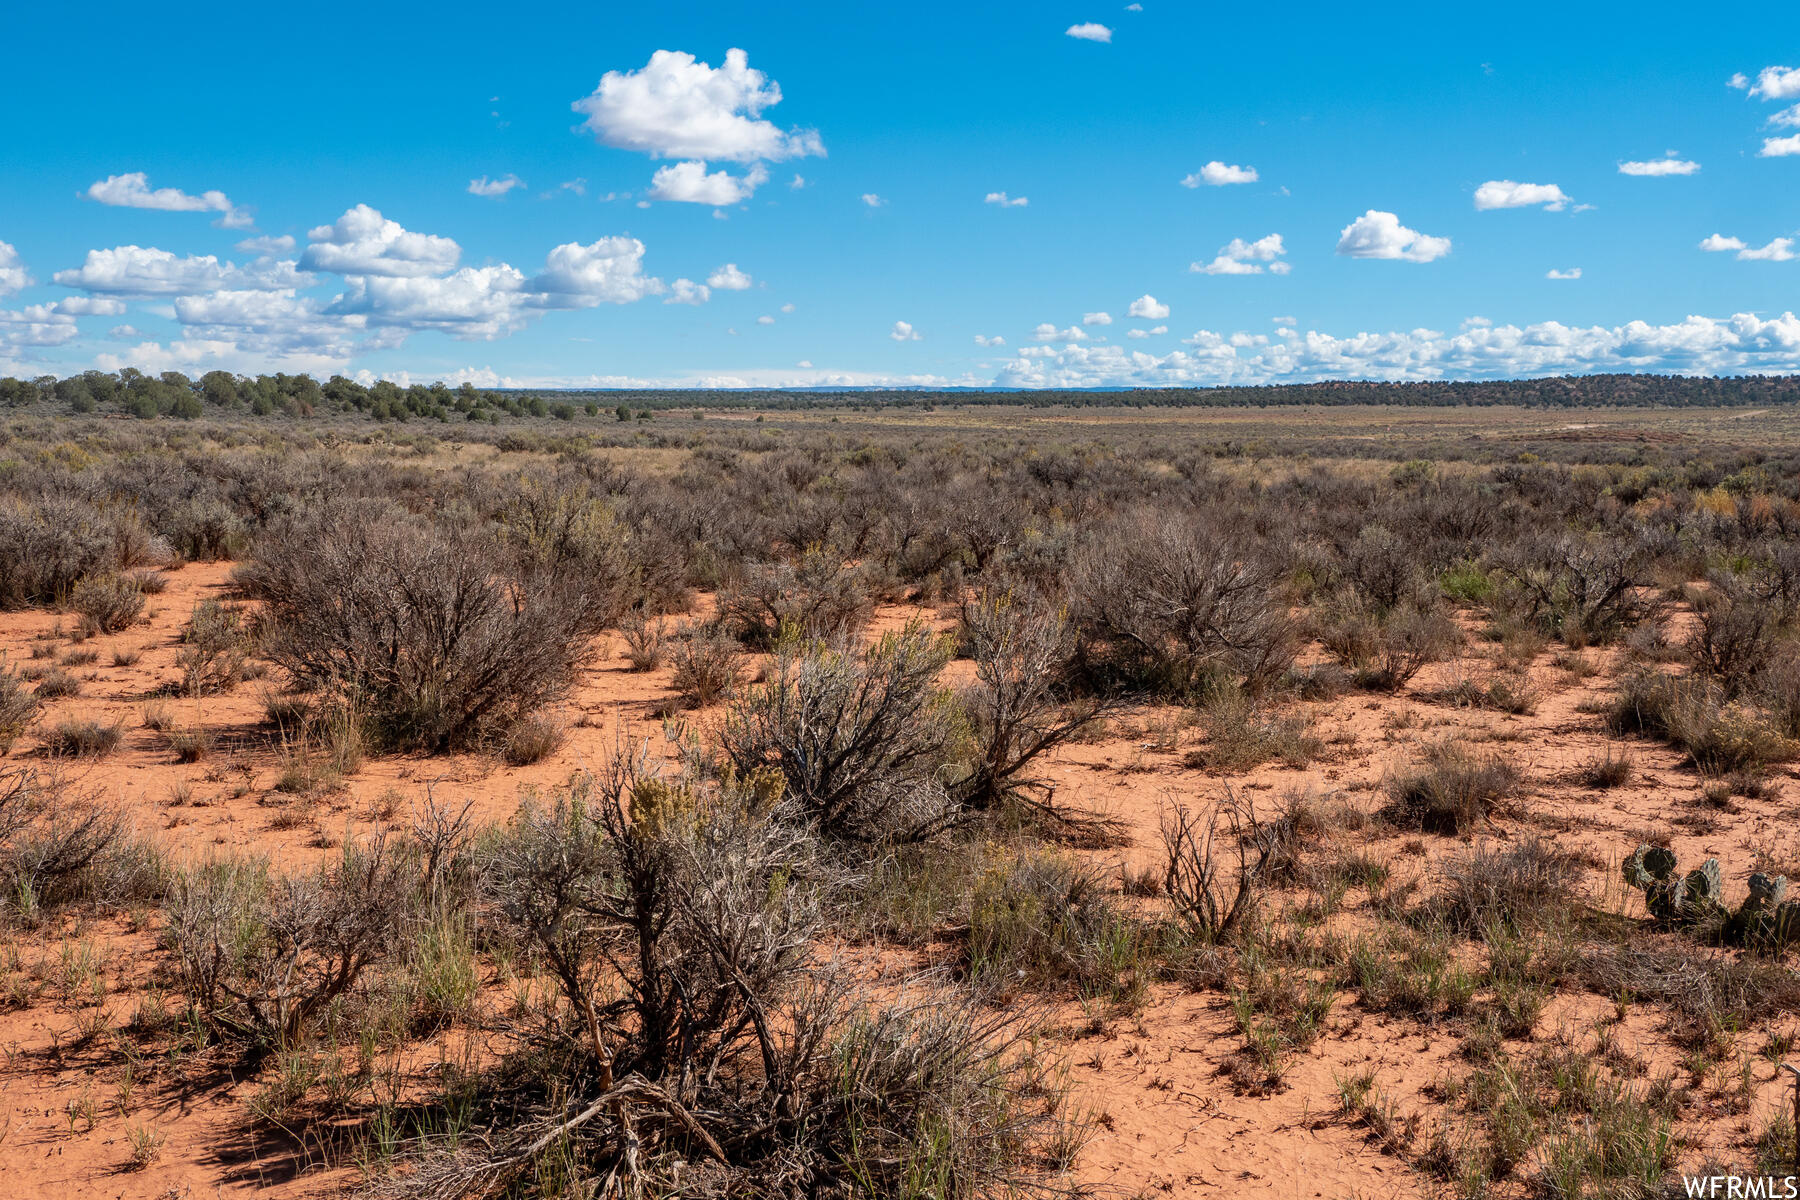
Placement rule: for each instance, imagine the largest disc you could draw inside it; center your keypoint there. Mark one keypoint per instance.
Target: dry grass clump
(1612, 769)
(646, 641)
(1522, 885)
(1041, 919)
(192, 744)
(57, 685)
(532, 739)
(1384, 648)
(1241, 734)
(215, 650)
(19, 707)
(708, 665)
(820, 596)
(83, 737)
(59, 848)
(1453, 790)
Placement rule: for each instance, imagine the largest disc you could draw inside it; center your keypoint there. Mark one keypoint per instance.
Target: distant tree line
(173, 394)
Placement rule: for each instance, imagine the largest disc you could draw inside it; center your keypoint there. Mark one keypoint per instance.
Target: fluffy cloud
(1659, 166)
(494, 187)
(1378, 234)
(1571, 273)
(1505, 193)
(146, 271)
(1153, 331)
(1781, 147)
(1772, 83)
(1218, 174)
(1787, 118)
(363, 242)
(13, 275)
(37, 325)
(1238, 257)
(1779, 249)
(133, 190)
(1047, 332)
(984, 340)
(1089, 31)
(1698, 345)
(1005, 201)
(765, 319)
(728, 278)
(1096, 318)
(609, 271)
(471, 304)
(689, 183)
(1148, 308)
(686, 291)
(872, 200)
(904, 332)
(678, 107)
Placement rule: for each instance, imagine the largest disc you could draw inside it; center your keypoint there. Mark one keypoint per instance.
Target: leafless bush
(1583, 588)
(107, 603)
(1215, 866)
(441, 637)
(262, 956)
(48, 545)
(1734, 638)
(1175, 604)
(1242, 733)
(817, 597)
(532, 739)
(860, 735)
(1021, 706)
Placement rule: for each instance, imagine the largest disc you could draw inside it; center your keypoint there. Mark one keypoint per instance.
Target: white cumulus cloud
(903, 332)
(728, 278)
(13, 275)
(873, 200)
(363, 242)
(1096, 318)
(1220, 174)
(1669, 165)
(1571, 273)
(1378, 234)
(1781, 147)
(133, 190)
(984, 340)
(1089, 31)
(146, 271)
(1005, 201)
(689, 183)
(607, 271)
(1238, 257)
(1505, 193)
(1148, 308)
(1779, 249)
(678, 107)
(1774, 83)
(686, 291)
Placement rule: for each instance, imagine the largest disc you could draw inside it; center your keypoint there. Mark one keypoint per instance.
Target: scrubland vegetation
(842, 922)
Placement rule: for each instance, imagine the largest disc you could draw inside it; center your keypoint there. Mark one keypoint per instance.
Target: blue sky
(1389, 193)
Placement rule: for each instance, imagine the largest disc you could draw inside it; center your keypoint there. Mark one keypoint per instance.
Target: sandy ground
(1168, 1122)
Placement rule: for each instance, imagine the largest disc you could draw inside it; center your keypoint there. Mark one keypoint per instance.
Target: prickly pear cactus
(1649, 864)
(1766, 920)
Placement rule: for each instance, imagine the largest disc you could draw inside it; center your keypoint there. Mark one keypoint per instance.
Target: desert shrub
(1175, 605)
(1582, 589)
(18, 708)
(439, 635)
(646, 641)
(215, 650)
(707, 665)
(1387, 569)
(191, 744)
(1041, 919)
(860, 735)
(59, 848)
(1385, 648)
(47, 546)
(532, 739)
(262, 956)
(1690, 713)
(1453, 790)
(1734, 638)
(1490, 889)
(83, 737)
(1021, 705)
(817, 597)
(107, 603)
